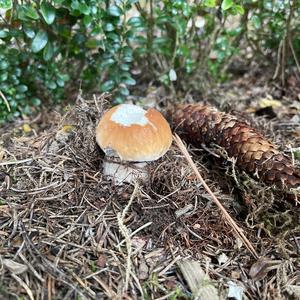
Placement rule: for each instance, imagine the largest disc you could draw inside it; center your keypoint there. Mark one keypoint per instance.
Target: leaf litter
(68, 233)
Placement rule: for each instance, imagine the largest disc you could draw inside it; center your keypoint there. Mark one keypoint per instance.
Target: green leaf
(127, 51)
(3, 33)
(161, 20)
(29, 32)
(141, 50)
(92, 43)
(84, 9)
(5, 4)
(210, 3)
(13, 103)
(117, 22)
(16, 33)
(124, 91)
(64, 77)
(36, 101)
(160, 40)
(30, 12)
(114, 48)
(118, 99)
(239, 9)
(135, 22)
(17, 72)
(51, 85)
(129, 81)
(19, 96)
(107, 62)
(128, 58)
(164, 79)
(189, 64)
(94, 9)
(141, 40)
(124, 67)
(96, 30)
(234, 32)
(22, 88)
(256, 21)
(114, 37)
(3, 76)
(48, 51)
(60, 82)
(75, 4)
(130, 35)
(107, 86)
(48, 12)
(226, 4)
(15, 80)
(39, 42)
(126, 75)
(87, 20)
(114, 11)
(108, 27)
(3, 65)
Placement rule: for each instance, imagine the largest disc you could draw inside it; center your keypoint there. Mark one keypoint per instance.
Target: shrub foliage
(50, 48)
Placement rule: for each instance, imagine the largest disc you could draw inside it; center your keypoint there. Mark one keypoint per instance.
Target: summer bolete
(130, 137)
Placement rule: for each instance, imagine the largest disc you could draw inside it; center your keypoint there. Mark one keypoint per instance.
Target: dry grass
(68, 233)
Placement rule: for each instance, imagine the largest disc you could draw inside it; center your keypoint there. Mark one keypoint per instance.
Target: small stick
(5, 101)
(278, 65)
(134, 232)
(125, 232)
(283, 62)
(7, 163)
(294, 55)
(231, 222)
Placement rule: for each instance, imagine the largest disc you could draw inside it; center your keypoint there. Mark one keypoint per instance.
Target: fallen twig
(126, 234)
(5, 101)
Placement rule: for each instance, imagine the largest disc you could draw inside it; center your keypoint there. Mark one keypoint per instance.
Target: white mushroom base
(127, 172)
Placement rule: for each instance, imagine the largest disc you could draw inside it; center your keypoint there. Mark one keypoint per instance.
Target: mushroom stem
(120, 172)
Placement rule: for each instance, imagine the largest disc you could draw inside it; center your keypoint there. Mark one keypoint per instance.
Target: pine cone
(199, 124)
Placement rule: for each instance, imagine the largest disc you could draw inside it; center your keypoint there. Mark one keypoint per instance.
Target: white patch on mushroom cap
(129, 114)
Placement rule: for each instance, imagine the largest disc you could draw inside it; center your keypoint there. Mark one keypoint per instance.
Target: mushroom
(131, 137)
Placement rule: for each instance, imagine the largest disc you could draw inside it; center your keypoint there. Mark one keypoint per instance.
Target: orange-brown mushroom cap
(133, 134)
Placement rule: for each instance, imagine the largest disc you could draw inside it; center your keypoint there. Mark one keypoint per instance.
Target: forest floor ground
(66, 232)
